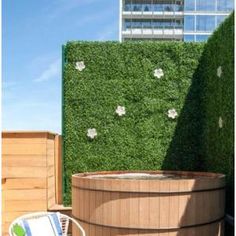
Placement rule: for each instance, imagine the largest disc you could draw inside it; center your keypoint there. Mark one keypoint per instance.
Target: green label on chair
(18, 230)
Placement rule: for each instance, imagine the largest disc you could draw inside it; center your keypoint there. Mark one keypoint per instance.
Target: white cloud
(52, 71)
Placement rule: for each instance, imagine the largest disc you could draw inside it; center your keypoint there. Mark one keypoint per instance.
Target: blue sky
(33, 33)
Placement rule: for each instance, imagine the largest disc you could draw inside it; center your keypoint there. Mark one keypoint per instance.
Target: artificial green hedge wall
(218, 101)
(200, 138)
(145, 137)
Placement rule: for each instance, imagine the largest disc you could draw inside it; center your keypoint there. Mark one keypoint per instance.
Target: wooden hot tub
(153, 203)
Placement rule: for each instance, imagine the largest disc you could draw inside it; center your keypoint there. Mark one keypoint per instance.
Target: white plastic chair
(64, 219)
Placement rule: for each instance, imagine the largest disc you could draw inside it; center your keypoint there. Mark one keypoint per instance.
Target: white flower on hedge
(79, 65)
(220, 122)
(92, 133)
(120, 111)
(158, 73)
(219, 71)
(172, 113)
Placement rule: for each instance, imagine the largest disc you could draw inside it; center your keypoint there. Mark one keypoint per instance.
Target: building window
(225, 5)
(146, 24)
(189, 38)
(189, 5)
(220, 19)
(157, 5)
(137, 7)
(127, 24)
(189, 22)
(178, 24)
(128, 5)
(201, 38)
(136, 24)
(205, 5)
(205, 23)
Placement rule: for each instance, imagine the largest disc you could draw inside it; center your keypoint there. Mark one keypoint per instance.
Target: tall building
(188, 20)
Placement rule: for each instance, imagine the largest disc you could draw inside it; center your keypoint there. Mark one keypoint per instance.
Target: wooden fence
(31, 174)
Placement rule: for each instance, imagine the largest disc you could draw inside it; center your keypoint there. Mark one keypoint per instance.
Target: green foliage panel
(145, 138)
(218, 101)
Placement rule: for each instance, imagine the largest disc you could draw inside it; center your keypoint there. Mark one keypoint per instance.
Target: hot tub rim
(216, 181)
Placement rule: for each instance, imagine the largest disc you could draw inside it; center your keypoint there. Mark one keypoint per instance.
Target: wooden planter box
(30, 166)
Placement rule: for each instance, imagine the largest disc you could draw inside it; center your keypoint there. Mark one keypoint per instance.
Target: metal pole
(63, 127)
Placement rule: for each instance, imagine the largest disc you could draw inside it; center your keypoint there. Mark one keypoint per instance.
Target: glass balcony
(153, 33)
(201, 38)
(189, 23)
(189, 5)
(203, 5)
(178, 5)
(209, 5)
(205, 23)
(189, 38)
(220, 19)
(152, 6)
(195, 38)
(225, 5)
(152, 24)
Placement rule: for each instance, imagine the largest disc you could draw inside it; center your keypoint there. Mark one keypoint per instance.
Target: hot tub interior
(144, 176)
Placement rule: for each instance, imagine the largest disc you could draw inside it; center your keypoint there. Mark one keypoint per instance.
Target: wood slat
(50, 152)
(50, 171)
(24, 161)
(50, 193)
(50, 160)
(28, 141)
(5, 227)
(51, 182)
(23, 172)
(58, 169)
(26, 183)
(24, 149)
(27, 134)
(29, 205)
(26, 194)
(33, 156)
(51, 202)
(10, 216)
